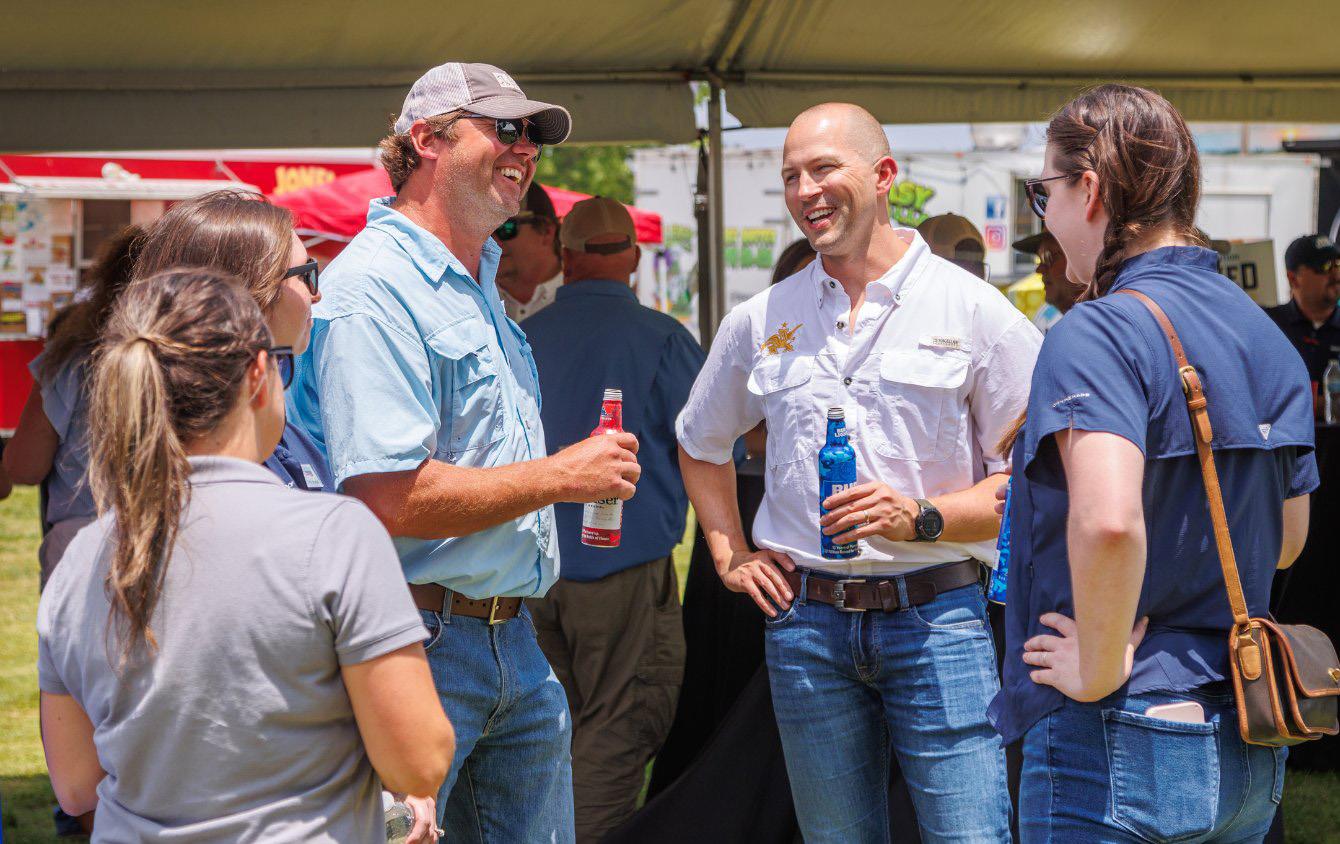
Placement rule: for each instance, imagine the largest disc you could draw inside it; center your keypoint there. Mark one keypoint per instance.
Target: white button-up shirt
(935, 369)
(543, 297)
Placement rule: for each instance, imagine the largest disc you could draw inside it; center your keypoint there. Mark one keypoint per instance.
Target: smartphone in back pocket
(1183, 712)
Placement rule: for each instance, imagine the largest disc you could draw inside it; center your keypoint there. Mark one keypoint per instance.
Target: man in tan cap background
(611, 626)
(957, 240)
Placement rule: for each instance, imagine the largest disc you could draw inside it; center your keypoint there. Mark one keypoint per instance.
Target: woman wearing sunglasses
(1117, 616)
(248, 237)
(222, 658)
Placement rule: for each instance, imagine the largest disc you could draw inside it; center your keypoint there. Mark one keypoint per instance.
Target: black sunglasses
(308, 273)
(509, 229)
(509, 131)
(283, 358)
(1038, 195)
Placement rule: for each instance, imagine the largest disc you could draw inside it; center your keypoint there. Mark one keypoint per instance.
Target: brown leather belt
(866, 593)
(430, 597)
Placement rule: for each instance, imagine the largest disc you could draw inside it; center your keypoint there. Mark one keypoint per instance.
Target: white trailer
(1244, 198)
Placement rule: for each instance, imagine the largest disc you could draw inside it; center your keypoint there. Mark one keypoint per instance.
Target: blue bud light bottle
(995, 592)
(837, 471)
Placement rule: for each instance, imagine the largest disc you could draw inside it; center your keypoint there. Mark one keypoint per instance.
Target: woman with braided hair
(222, 658)
(1117, 618)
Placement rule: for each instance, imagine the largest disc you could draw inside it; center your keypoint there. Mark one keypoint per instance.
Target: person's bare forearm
(970, 514)
(439, 500)
(1107, 565)
(1106, 544)
(711, 489)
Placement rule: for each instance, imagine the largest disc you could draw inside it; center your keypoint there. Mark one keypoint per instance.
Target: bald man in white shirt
(888, 652)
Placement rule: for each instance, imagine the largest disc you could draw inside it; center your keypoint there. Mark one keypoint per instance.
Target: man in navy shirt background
(611, 626)
(1309, 319)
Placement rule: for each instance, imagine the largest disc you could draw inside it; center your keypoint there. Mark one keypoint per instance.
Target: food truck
(56, 210)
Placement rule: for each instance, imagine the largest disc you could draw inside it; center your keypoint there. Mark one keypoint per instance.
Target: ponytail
(170, 368)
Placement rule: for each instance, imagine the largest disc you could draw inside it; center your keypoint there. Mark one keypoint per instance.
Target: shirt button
(832, 284)
(847, 380)
(841, 324)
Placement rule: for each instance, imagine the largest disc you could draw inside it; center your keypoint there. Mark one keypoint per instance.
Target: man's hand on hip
(758, 574)
(598, 468)
(871, 509)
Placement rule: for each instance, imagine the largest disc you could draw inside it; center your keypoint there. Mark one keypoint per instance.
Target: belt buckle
(840, 595)
(493, 612)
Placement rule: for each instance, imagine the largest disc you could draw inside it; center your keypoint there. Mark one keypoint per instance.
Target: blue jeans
(1104, 772)
(848, 689)
(511, 778)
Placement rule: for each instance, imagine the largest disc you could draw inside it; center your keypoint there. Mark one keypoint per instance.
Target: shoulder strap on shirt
(1202, 433)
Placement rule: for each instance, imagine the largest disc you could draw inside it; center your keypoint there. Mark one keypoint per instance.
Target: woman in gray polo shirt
(223, 658)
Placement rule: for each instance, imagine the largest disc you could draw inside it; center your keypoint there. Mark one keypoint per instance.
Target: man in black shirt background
(1310, 319)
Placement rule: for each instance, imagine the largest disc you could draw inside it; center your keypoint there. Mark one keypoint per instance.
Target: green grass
(25, 792)
(1312, 801)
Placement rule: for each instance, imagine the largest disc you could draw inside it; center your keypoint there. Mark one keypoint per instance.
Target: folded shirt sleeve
(720, 407)
(1090, 377)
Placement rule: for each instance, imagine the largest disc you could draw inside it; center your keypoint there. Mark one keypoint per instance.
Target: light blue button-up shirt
(413, 358)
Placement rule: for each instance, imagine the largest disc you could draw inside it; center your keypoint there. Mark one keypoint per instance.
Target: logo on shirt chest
(782, 340)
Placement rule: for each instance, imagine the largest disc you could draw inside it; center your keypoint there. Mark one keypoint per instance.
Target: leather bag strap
(1198, 406)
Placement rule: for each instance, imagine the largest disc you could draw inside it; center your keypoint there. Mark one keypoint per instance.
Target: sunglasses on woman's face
(283, 358)
(1038, 193)
(307, 272)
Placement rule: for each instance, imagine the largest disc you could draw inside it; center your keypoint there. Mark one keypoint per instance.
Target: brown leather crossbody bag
(1286, 677)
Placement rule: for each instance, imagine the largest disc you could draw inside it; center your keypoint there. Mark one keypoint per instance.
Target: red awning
(338, 209)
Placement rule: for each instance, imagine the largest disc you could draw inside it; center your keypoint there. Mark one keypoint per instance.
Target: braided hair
(1146, 162)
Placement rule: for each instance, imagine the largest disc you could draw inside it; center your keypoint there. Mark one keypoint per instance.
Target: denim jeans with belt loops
(511, 779)
(1106, 772)
(849, 689)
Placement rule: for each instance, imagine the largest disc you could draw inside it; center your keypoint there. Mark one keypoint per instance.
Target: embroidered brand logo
(942, 341)
(781, 340)
(1265, 431)
(506, 81)
(1070, 398)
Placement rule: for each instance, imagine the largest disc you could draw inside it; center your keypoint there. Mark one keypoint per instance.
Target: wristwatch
(930, 524)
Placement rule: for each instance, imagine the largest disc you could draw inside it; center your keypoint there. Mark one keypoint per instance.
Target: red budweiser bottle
(602, 521)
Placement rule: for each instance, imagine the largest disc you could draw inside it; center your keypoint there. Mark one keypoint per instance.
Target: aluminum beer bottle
(837, 472)
(995, 592)
(602, 521)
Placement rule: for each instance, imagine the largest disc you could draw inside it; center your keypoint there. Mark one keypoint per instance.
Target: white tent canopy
(165, 74)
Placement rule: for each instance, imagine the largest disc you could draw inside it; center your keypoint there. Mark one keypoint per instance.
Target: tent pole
(715, 300)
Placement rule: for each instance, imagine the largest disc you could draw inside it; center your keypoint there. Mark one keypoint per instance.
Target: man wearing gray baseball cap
(425, 396)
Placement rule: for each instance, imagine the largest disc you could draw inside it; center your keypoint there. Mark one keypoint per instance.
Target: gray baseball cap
(485, 90)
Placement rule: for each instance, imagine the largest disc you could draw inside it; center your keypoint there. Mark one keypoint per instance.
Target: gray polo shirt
(239, 728)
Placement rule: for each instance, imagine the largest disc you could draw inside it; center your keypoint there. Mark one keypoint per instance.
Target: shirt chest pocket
(471, 401)
(782, 383)
(918, 413)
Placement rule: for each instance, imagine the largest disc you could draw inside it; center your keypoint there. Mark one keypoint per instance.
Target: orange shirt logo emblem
(781, 340)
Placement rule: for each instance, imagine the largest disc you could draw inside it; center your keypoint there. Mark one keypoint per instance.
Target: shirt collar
(898, 280)
(1190, 257)
(424, 248)
(215, 469)
(596, 287)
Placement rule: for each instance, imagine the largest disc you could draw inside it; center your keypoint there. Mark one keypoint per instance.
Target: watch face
(932, 524)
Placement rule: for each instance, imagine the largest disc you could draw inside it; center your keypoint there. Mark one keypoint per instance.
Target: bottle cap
(613, 395)
(836, 413)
